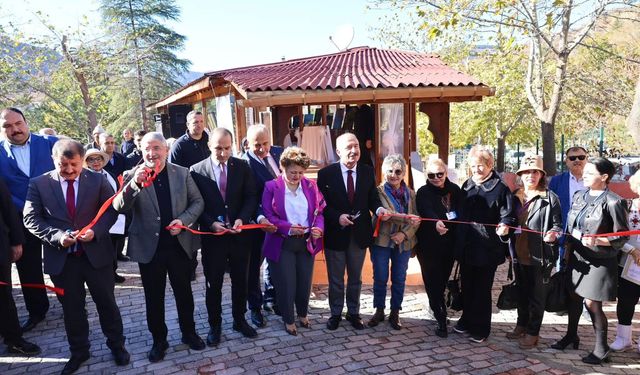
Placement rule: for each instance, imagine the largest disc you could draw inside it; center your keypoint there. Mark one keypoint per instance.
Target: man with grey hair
(128, 144)
(162, 197)
(59, 204)
(264, 160)
(350, 191)
(116, 163)
(95, 134)
(24, 155)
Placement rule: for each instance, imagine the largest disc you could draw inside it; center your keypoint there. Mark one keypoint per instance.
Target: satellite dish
(342, 37)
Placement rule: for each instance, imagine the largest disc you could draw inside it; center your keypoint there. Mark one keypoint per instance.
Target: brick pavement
(413, 350)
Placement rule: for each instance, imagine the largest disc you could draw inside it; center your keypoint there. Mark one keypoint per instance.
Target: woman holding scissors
(294, 205)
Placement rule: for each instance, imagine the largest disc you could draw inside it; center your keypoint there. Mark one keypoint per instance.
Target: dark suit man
(229, 194)
(135, 156)
(24, 155)
(11, 240)
(264, 160)
(161, 195)
(350, 191)
(117, 162)
(364, 129)
(128, 145)
(60, 203)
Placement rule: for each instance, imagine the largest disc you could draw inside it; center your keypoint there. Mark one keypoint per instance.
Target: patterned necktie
(222, 184)
(268, 165)
(351, 191)
(71, 199)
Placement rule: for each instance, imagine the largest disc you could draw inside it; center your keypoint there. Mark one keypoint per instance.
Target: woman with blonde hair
(438, 199)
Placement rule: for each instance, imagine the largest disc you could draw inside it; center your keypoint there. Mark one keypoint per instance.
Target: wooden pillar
(438, 126)
(241, 125)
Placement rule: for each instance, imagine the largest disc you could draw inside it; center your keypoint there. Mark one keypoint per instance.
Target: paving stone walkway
(413, 350)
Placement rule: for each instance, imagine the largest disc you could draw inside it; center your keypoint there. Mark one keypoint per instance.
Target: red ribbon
(58, 291)
(612, 234)
(225, 231)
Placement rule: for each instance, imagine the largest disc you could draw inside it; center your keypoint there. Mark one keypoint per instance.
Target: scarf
(399, 197)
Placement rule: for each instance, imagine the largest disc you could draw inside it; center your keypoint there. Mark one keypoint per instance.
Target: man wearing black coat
(117, 162)
(350, 192)
(11, 241)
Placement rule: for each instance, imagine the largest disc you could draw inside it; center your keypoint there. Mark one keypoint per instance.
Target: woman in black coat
(538, 209)
(438, 199)
(593, 261)
(481, 248)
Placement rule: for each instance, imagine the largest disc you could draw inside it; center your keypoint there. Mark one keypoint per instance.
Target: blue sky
(226, 34)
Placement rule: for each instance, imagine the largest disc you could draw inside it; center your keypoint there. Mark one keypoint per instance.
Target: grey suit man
(169, 198)
(58, 204)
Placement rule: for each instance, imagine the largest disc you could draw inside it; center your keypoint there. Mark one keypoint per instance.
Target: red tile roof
(360, 67)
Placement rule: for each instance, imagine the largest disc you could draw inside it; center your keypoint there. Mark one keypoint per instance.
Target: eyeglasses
(94, 160)
(579, 157)
(397, 172)
(432, 176)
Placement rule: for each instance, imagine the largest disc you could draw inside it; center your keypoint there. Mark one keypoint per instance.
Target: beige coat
(396, 224)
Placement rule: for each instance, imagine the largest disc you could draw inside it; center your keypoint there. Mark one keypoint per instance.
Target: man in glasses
(565, 185)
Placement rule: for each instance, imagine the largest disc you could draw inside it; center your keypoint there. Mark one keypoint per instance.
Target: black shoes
(441, 330)
(74, 363)
(257, 318)
(31, 323)
(355, 321)
(121, 356)
(593, 359)
(118, 279)
(22, 347)
(158, 350)
(376, 318)
(243, 327)
(394, 319)
(333, 322)
(213, 338)
(123, 258)
(566, 341)
(193, 341)
(459, 328)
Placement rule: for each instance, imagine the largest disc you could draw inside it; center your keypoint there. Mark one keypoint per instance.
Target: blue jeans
(380, 257)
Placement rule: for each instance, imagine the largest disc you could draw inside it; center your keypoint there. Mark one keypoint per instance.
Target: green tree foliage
(154, 67)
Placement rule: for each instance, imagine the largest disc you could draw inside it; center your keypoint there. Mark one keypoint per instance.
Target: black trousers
(172, 261)
(118, 245)
(628, 296)
(293, 275)
(436, 269)
(30, 272)
(76, 272)
(531, 297)
(255, 297)
(9, 325)
(233, 251)
(476, 298)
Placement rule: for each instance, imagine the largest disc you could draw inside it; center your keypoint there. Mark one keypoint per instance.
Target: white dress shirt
(76, 184)
(22, 155)
(296, 206)
(345, 175)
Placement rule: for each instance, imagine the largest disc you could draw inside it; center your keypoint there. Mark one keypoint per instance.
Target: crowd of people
(51, 191)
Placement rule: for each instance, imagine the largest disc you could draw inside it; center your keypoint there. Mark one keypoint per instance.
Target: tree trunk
(500, 154)
(633, 121)
(139, 78)
(548, 147)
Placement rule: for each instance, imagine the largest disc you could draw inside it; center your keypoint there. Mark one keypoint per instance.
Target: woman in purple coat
(294, 205)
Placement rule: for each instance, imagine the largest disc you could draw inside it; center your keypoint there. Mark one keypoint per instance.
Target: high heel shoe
(593, 359)
(292, 331)
(566, 341)
(304, 322)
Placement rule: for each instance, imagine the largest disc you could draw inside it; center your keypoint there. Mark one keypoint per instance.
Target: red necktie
(351, 191)
(222, 184)
(71, 199)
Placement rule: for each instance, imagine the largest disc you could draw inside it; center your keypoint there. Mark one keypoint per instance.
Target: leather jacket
(606, 214)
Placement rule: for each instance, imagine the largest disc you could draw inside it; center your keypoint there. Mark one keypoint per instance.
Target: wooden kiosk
(395, 83)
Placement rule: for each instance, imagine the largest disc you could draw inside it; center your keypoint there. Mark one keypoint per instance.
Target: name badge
(451, 215)
(575, 233)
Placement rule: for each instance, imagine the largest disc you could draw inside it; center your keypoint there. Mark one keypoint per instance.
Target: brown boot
(517, 333)
(528, 341)
(376, 318)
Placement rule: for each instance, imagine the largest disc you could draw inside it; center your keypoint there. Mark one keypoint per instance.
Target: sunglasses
(397, 172)
(94, 160)
(579, 157)
(432, 176)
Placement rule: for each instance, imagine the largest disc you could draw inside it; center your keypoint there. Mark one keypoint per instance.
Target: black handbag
(558, 293)
(508, 298)
(454, 292)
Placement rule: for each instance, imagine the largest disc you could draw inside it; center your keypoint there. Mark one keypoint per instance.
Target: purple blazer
(273, 206)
